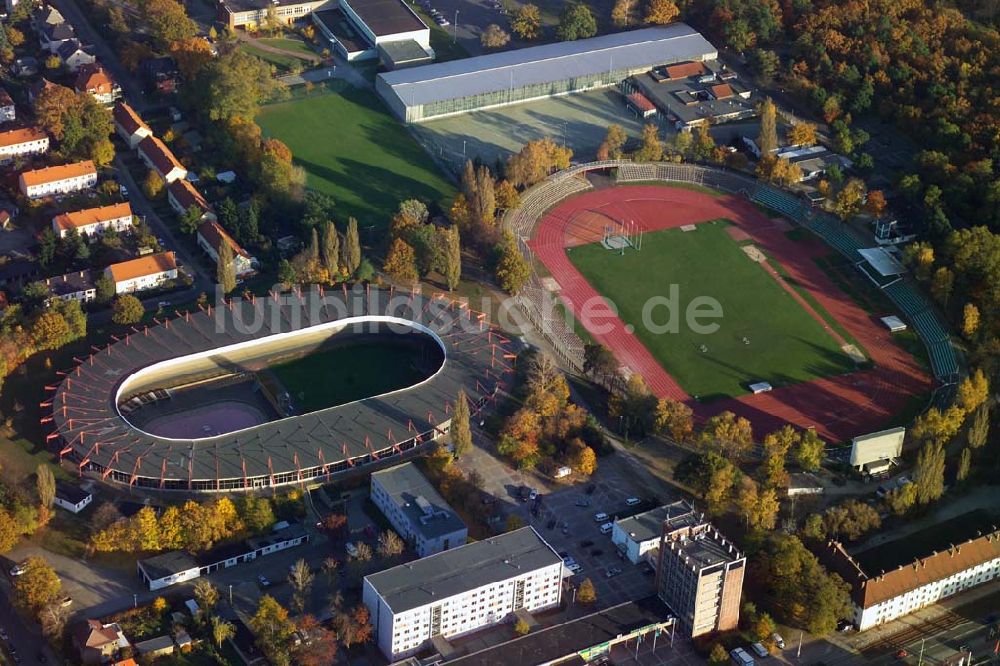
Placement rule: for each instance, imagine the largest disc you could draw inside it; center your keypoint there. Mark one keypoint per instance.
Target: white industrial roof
(882, 261)
(636, 49)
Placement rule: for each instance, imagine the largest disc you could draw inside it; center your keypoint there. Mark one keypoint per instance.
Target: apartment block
(416, 510)
(61, 179)
(462, 590)
(19, 142)
(700, 576)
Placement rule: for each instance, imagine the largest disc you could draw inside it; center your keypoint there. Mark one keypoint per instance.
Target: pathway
(258, 44)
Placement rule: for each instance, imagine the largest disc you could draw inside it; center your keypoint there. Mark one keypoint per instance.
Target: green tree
(526, 21)
(576, 22)
(274, 630)
(718, 656)
(167, 21)
(104, 287)
(809, 454)
(286, 273)
(461, 434)
(234, 85)
(225, 271)
(451, 256)
(45, 483)
(50, 330)
(928, 475)
(127, 309)
(352, 247)
(257, 513)
(330, 250)
(512, 270)
(190, 220)
(767, 139)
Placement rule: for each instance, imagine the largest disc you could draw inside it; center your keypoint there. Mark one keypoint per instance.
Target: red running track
(838, 407)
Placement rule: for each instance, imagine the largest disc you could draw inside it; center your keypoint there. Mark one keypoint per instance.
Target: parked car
(759, 650)
(19, 569)
(632, 501)
(264, 582)
(351, 549)
(612, 572)
(779, 642)
(583, 501)
(533, 495)
(600, 517)
(607, 527)
(66, 602)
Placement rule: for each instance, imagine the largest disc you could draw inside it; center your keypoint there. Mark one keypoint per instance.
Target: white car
(600, 517)
(574, 567)
(607, 527)
(632, 501)
(779, 642)
(533, 495)
(351, 549)
(19, 569)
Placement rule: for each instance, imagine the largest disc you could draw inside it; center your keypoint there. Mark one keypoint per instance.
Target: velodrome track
(839, 407)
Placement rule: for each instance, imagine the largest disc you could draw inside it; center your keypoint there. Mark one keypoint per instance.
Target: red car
(902, 654)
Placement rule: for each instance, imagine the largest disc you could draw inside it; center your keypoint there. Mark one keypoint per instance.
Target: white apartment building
(61, 179)
(417, 512)
(94, 221)
(910, 587)
(18, 142)
(462, 590)
(637, 537)
(143, 273)
(130, 127)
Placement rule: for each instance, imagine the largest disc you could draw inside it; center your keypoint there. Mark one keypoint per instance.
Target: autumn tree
(506, 195)
(526, 21)
(964, 465)
(621, 13)
(300, 578)
(320, 645)
(875, 204)
(576, 22)
(166, 21)
(37, 587)
(727, 434)
(206, 595)
(389, 544)
(353, 626)
(661, 12)
(942, 284)
(127, 309)
(521, 627)
(810, 450)
(802, 134)
(494, 37)
(928, 474)
(973, 391)
(352, 247)
(511, 268)
(461, 432)
(614, 143)
(225, 270)
(536, 160)
(586, 594)
(776, 446)
(979, 428)
(153, 185)
(711, 476)
(222, 631)
(582, 458)
(850, 520)
(849, 199)
(273, 630)
(767, 139)
(451, 256)
(675, 419)
(970, 321)
(10, 531)
(401, 262)
(191, 55)
(650, 148)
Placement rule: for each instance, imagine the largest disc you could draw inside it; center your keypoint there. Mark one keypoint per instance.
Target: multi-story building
(211, 237)
(130, 127)
(94, 221)
(155, 154)
(638, 536)
(143, 273)
(252, 13)
(78, 286)
(61, 179)
(417, 512)
(925, 581)
(24, 141)
(462, 590)
(700, 576)
(94, 80)
(7, 111)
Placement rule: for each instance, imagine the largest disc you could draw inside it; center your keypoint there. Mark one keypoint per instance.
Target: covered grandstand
(521, 75)
(91, 407)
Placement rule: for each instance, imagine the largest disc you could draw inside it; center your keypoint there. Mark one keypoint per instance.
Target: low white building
(72, 498)
(638, 536)
(19, 142)
(94, 221)
(129, 126)
(168, 569)
(155, 155)
(211, 237)
(460, 591)
(181, 195)
(61, 179)
(890, 595)
(417, 512)
(143, 273)
(77, 286)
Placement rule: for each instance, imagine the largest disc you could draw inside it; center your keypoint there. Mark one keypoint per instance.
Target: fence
(538, 307)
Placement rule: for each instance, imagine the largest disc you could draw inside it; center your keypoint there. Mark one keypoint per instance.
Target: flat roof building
(461, 590)
(639, 535)
(700, 576)
(385, 29)
(416, 510)
(511, 77)
(693, 93)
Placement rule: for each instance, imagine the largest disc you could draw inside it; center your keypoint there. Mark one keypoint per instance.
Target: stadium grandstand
(512, 77)
(95, 409)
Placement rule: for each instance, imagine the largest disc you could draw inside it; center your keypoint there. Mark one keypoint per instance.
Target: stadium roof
(547, 63)
(468, 567)
(290, 450)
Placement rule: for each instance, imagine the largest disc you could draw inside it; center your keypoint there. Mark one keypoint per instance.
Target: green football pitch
(326, 378)
(353, 150)
(763, 334)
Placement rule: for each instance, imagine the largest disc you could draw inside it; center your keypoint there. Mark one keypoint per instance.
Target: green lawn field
(282, 63)
(355, 151)
(786, 345)
(331, 377)
(289, 44)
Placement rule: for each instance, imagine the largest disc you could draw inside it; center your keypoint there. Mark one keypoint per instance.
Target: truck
(740, 657)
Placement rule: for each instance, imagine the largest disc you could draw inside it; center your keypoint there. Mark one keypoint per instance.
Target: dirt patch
(737, 234)
(754, 253)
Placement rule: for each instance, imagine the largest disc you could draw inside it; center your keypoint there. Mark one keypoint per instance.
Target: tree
(973, 391)
(53, 618)
(494, 37)
(512, 270)
(330, 249)
(225, 271)
(50, 331)
(536, 160)
(900, 500)
(52, 107)
(970, 321)
(964, 464)
(389, 544)
(127, 309)
(234, 85)
(521, 627)
(401, 262)
(191, 55)
(167, 21)
(767, 139)
(10, 531)
(776, 447)
(809, 454)
(850, 520)
(728, 434)
(661, 12)
(928, 475)
(37, 587)
(152, 185)
(461, 434)
(365, 552)
(576, 22)
(45, 483)
(526, 21)
(451, 256)
(651, 149)
(586, 594)
(802, 134)
(582, 458)
(352, 247)
(875, 204)
(319, 647)
(273, 630)
(599, 361)
(704, 145)
(746, 497)
(612, 148)
(718, 656)
(942, 284)
(848, 200)
(979, 429)
(353, 627)
(675, 419)
(301, 580)
(222, 631)
(206, 595)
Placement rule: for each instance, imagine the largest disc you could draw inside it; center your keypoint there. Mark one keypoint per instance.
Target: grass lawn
(353, 150)
(340, 375)
(283, 63)
(786, 344)
(288, 44)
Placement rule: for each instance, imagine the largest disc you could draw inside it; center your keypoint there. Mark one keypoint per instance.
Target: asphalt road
(25, 639)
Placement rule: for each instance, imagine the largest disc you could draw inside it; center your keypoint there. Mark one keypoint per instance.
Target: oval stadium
(287, 389)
